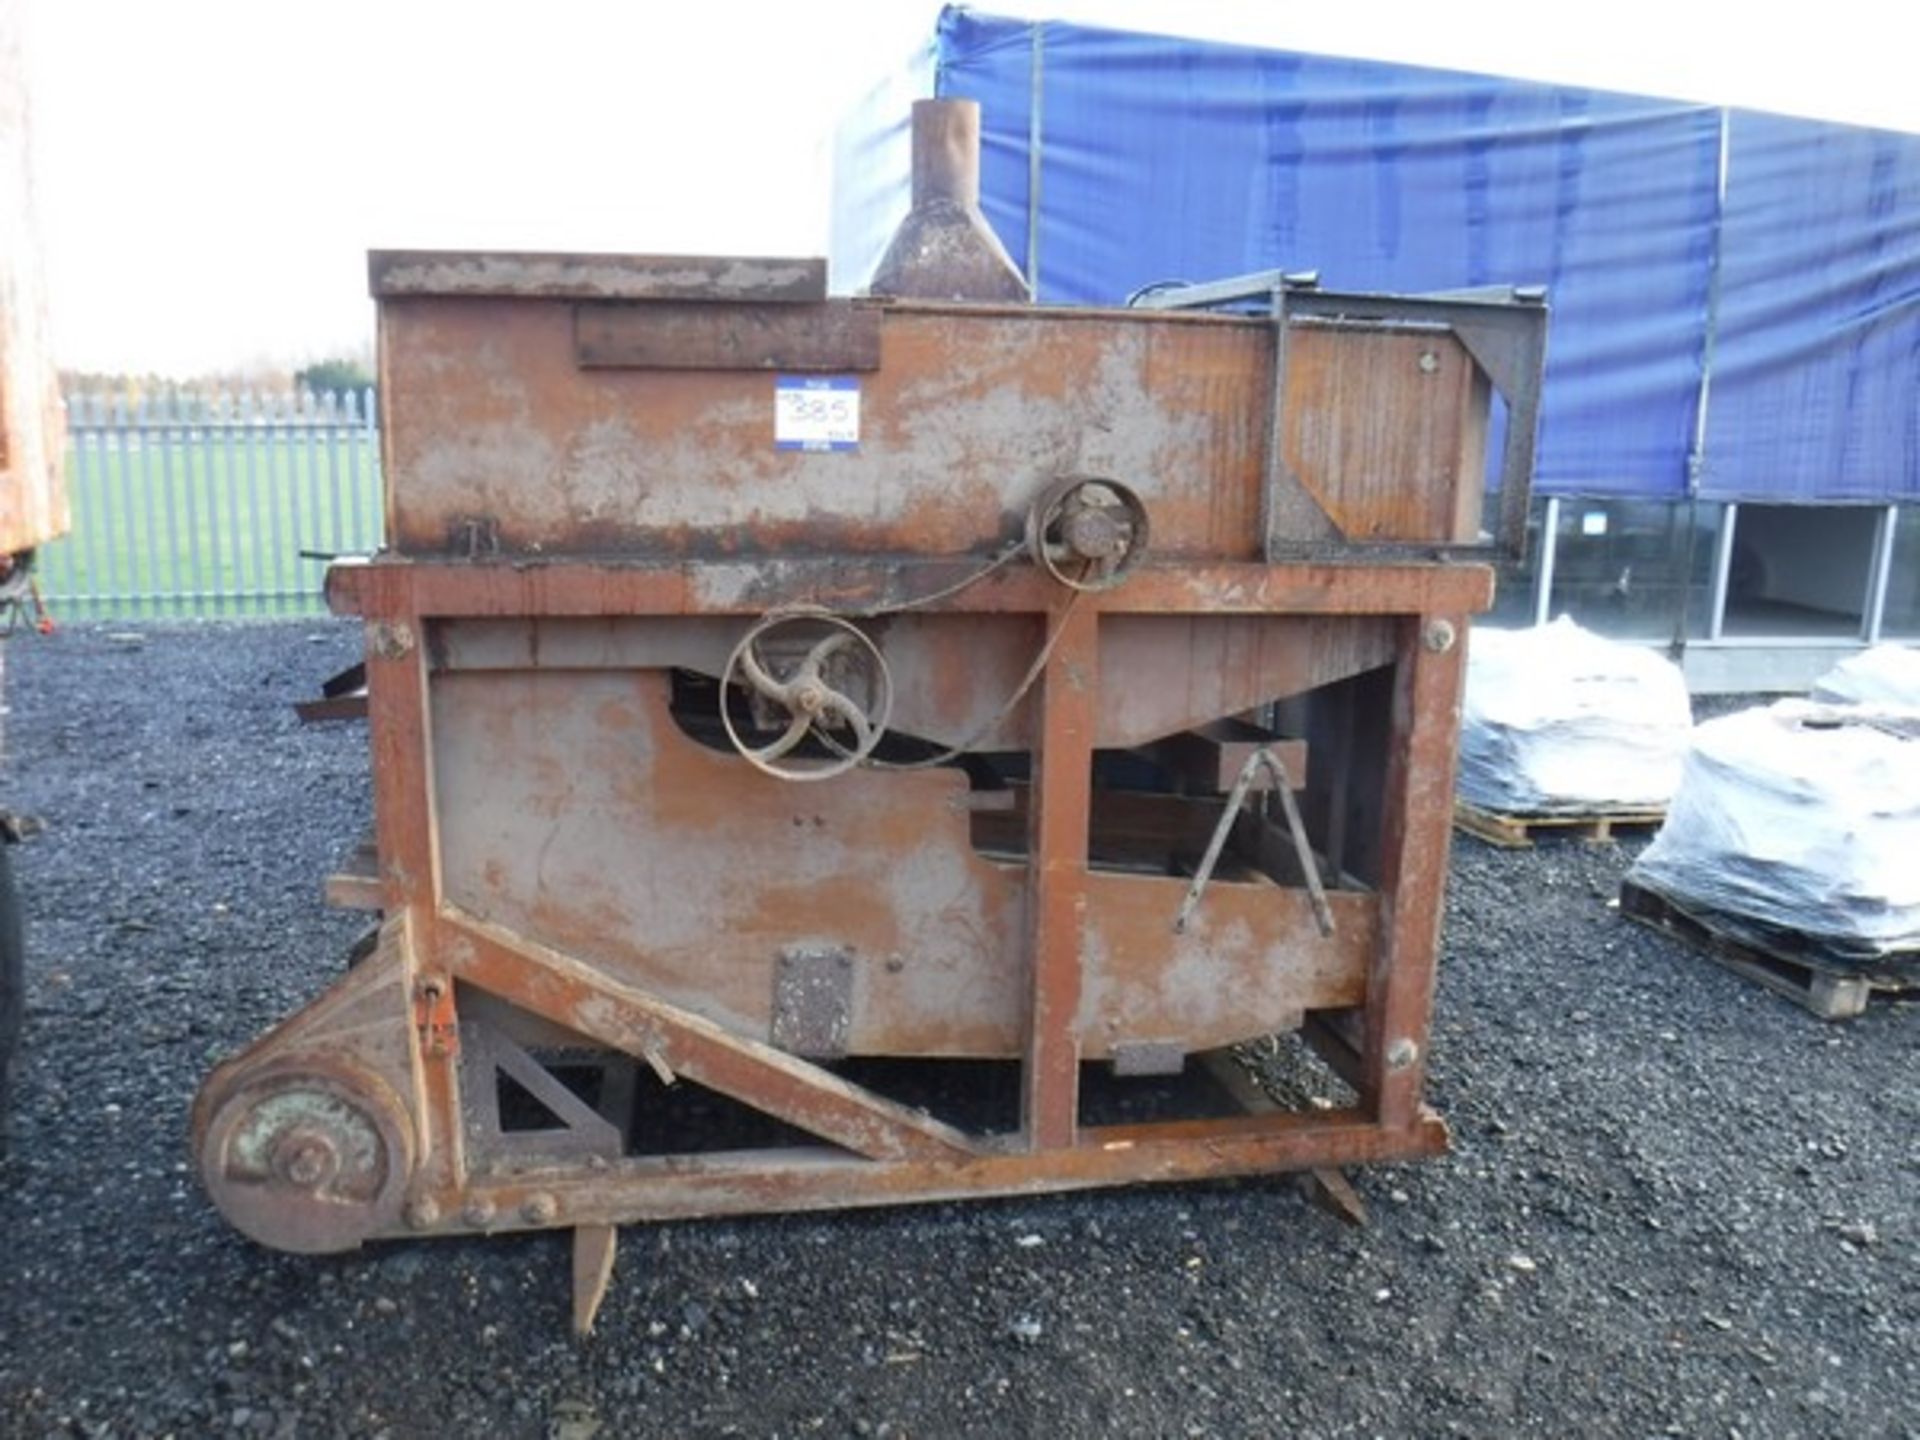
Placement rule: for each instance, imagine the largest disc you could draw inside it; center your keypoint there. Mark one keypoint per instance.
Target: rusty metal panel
(1160, 674)
(1251, 948)
(972, 412)
(970, 416)
(575, 811)
(837, 335)
(526, 275)
(1386, 429)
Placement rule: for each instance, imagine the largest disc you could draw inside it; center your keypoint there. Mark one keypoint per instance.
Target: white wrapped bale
(1884, 675)
(1798, 819)
(1560, 721)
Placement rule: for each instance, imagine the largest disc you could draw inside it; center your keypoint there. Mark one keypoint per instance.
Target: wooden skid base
(1518, 832)
(1823, 990)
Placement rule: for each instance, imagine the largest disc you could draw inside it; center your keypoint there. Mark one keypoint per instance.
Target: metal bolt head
(809, 697)
(478, 1212)
(1402, 1053)
(1438, 636)
(306, 1168)
(306, 1160)
(423, 1212)
(1092, 533)
(390, 639)
(540, 1209)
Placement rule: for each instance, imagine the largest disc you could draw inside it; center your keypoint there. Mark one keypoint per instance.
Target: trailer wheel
(13, 981)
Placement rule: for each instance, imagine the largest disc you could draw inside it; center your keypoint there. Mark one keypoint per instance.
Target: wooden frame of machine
(879, 713)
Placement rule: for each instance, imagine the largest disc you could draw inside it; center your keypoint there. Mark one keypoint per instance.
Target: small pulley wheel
(311, 1156)
(816, 673)
(1087, 532)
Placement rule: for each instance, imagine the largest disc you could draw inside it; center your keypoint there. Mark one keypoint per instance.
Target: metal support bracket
(579, 1129)
(1263, 758)
(1503, 327)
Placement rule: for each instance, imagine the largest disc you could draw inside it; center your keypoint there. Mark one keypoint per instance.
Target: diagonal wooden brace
(574, 994)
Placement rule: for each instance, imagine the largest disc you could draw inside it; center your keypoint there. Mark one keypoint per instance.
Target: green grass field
(193, 521)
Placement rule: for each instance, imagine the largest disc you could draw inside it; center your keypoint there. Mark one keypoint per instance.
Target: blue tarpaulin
(1161, 158)
(1816, 363)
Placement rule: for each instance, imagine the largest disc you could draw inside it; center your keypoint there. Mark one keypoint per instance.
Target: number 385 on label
(816, 412)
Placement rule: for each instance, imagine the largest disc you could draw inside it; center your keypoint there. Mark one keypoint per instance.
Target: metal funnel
(944, 248)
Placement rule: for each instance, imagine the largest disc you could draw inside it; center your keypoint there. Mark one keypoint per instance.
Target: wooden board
(1825, 990)
(1518, 832)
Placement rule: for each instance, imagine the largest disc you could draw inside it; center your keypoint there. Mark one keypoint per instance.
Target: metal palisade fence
(212, 505)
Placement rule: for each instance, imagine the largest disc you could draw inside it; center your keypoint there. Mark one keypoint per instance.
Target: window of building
(1635, 569)
(1800, 571)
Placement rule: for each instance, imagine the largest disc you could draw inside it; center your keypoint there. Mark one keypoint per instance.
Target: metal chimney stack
(944, 248)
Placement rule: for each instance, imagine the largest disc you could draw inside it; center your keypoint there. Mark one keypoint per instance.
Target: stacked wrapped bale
(1884, 675)
(1560, 721)
(1799, 822)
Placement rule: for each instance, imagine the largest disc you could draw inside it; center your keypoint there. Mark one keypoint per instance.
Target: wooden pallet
(1518, 832)
(1789, 967)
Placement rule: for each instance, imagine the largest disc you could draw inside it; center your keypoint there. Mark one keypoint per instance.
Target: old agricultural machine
(825, 749)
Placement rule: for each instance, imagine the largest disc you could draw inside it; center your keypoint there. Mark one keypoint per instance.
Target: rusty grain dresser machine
(820, 746)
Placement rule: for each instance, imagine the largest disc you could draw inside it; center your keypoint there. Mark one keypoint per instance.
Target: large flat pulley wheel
(311, 1156)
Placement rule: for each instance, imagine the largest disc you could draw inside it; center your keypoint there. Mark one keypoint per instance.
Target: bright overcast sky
(211, 172)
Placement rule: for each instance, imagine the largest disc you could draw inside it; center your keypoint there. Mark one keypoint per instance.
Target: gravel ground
(1676, 1204)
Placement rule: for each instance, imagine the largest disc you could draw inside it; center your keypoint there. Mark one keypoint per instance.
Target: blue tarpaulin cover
(1165, 158)
(1816, 367)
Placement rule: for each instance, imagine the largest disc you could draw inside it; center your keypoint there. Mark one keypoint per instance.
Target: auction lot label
(816, 412)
